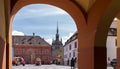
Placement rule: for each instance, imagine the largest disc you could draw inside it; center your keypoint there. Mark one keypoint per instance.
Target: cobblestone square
(45, 67)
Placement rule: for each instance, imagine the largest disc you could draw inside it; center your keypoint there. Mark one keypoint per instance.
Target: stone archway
(68, 6)
(87, 32)
(101, 35)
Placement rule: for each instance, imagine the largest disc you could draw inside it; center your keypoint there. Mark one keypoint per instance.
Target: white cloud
(65, 38)
(49, 40)
(15, 32)
(46, 10)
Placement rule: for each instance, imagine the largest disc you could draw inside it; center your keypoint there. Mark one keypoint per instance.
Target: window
(47, 51)
(40, 51)
(75, 46)
(30, 43)
(46, 58)
(66, 49)
(69, 54)
(70, 47)
(73, 54)
(23, 51)
(116, 42)
(35, 51)
(22, 42)
(16, 51)
(65, 56)
(29, 52)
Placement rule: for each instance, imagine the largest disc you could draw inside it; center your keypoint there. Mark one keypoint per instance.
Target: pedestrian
(68, 62)
(72, 63)
(75, 62)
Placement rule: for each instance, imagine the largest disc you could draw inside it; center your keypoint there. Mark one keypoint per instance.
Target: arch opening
(71, 8)
(43, 18)
(111, 44)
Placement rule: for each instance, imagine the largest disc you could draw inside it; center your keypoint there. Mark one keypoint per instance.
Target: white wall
(111, 43)
(111, 47)
(67, 51)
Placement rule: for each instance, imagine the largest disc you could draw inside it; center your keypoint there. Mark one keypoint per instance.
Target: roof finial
(33, 34)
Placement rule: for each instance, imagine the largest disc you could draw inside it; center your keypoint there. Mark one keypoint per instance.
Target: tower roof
(57, 33)
(57, 29)
(57, 41)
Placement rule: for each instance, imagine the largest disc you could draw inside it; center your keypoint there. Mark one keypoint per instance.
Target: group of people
(72, 62)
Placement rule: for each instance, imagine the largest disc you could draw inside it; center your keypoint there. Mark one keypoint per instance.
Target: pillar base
(100, 58)
(86, 58)
(2, 54)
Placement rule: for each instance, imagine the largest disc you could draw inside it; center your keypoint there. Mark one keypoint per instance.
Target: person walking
(75, 62)
(68, 62)
(72, 63)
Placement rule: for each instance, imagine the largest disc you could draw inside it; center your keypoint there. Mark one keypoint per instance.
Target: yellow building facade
(60, 56)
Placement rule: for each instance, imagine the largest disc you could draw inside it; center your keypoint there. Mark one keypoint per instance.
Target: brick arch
(87, 30)
(101, 34)
(96, 12)
(105, 22)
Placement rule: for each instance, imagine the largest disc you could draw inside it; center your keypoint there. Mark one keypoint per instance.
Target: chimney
(33, 34)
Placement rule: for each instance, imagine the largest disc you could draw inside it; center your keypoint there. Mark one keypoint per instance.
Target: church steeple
(57, 28)
(57, 33)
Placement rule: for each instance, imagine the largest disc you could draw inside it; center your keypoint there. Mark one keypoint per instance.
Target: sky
(42, 19)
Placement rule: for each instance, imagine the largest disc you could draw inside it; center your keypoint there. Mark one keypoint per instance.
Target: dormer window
(30, 43)
(22, 42)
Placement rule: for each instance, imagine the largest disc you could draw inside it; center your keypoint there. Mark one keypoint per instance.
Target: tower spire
(57, 33)
(57, 28)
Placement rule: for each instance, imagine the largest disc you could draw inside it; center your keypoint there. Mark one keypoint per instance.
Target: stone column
(2, 54)
(2, 36)
(86, 58)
